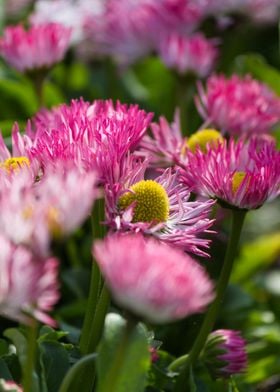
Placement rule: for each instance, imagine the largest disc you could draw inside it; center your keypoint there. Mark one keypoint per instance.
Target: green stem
(178, 362)
(31, 356)
(184, 97)
(99, 318)
(210, 318)
(96, 282)
(75, 372)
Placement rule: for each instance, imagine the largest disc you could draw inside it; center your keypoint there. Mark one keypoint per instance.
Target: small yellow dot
(203, 138)
(152, 204)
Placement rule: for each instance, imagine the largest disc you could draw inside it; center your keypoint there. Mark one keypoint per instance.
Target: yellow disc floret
(151, 202)
(237, 179)
(203, 138)
(15, 163)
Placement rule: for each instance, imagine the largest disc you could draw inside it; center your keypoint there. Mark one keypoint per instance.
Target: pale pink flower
(195, 54)
(28, 284)
(9, 386)
(238, 106)
(238, 174)
(40, 47)
(225, 353)
(152, 279)
(181, 222)
(166, 145)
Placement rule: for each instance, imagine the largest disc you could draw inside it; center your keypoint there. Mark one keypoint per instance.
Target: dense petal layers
(152, 279)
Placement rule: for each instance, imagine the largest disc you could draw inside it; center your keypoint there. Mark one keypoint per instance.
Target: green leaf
(257, 66)
(54, 360)
(4, 347)
(4, 370)
(256, 256)
(47, 333)
(19, 341)
(124, 360)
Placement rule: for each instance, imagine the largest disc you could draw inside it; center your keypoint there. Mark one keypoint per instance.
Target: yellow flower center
(152, 204)
(203, 138)
(15, 163)
(237, 179)
(53, 222)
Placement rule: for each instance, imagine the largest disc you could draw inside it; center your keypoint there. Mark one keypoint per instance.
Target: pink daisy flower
(225, 353)
(195, 54)
(95, 136)
(152, 279)
(238, 174)
(238, 106)
(39, 47)
(28, 285)
(158, 207)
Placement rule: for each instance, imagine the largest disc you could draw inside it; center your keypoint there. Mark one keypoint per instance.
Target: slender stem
(75, 372)
(184, 96)
(99, 318)
(178, 362)
(38, 79)
(91, 307)
(31, 356)
(210, 318)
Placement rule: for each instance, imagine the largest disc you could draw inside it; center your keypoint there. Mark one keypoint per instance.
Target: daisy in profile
(152, 279)
(159, 207)
(240, 174)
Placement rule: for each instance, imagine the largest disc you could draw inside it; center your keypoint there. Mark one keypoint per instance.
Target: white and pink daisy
(188, 54)
(151, 279)
(239, 174)
(39, 47)
(28, 284)
(238, 106)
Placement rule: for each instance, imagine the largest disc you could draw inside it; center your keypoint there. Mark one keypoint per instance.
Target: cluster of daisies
(158, 186)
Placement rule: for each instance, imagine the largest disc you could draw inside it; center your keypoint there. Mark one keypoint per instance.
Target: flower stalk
(31, 356)
(238, 217)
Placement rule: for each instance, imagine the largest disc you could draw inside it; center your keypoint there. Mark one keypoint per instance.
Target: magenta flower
(39, 47)
(225, 353)
(238, 174)
(195, 54)
(152, 279)
(167, 144)
(94, 136)
(28, 285)
(238, 106)
(161, 208)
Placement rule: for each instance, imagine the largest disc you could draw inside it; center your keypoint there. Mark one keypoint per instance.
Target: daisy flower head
(39, 47)
(225, 353)
(160, 207)
(151, 279)
(238, 106)
(240, 174)
(28, 284)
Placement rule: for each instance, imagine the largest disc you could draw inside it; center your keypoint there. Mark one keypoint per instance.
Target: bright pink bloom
(28, 285)
(225, 353)
(152, 279)
(167, 145)
(195, 54)
(238, 106)
(238, 174)
(39, 47)
(94, 135)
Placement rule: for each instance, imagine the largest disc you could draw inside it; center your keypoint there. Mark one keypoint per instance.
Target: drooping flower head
(152, 279)
(28, 284)
(238, 106)
(40, 47)
(225, 353)
(188, 54)
(159, 207)
(239, 174)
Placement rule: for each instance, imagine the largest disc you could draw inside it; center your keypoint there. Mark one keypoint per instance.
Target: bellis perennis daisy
(39, 47)
(159, 207)
(239, 174)
(152, 279)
